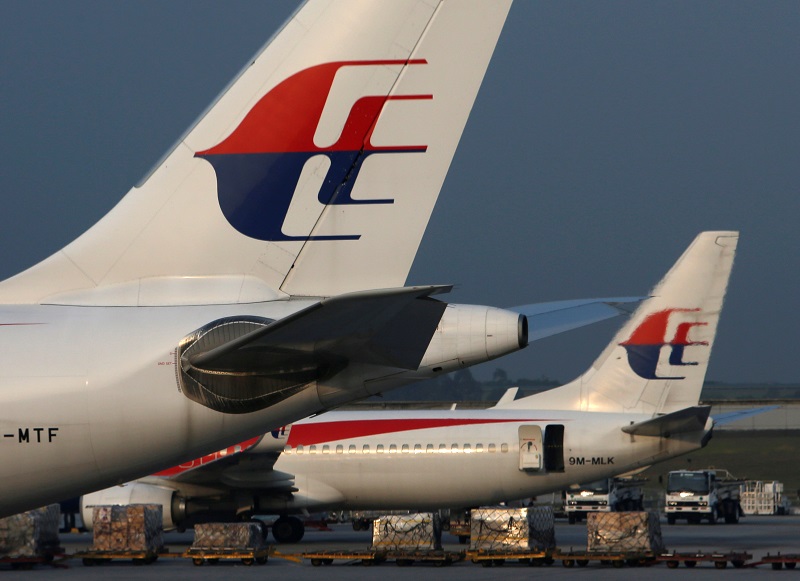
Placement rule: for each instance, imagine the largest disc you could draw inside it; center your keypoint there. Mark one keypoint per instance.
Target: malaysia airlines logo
(259, 165)
(650, 337)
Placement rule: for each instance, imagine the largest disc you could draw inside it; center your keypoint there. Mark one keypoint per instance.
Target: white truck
(696, 495)
(608, 495)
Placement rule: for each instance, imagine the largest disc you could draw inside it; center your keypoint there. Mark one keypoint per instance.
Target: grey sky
(605, 136)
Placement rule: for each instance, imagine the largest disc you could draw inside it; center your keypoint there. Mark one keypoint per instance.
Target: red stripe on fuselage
(208, 458)
(317, 432)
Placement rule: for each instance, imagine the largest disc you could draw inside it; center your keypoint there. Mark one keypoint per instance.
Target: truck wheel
(670, 519)
(731, 511)
(571, 518)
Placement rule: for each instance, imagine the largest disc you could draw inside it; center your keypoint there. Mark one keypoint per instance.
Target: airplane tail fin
(657, 362)
(313, 174)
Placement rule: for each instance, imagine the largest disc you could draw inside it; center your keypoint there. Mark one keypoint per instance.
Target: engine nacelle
(470, 334)
(132, 493)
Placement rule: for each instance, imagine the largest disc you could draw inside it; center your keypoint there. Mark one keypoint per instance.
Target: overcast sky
(605, 137)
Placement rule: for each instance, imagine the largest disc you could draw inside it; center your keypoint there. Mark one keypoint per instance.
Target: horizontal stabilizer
(686, 420)
(242, 364)
(383, 327)
(547, 319)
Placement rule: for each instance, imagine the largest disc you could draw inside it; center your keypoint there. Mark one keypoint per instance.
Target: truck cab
(606, 495)
(699, 494)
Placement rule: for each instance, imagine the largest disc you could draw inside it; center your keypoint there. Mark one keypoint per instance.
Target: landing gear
(362, 524)
(288, 529)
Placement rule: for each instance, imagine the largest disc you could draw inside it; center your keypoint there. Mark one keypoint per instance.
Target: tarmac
(757, 535)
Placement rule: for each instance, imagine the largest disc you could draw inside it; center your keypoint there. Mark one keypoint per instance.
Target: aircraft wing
(227, 469)
(730, 417)
(238, 471)
(552, 318)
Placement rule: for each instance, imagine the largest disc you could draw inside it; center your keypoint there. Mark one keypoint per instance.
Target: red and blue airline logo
(645, 343)
(259, 164)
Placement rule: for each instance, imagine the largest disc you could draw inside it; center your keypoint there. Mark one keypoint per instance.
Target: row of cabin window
(404, 449)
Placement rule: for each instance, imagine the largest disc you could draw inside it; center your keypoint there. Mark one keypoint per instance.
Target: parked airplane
(256, 276)
(635, 406)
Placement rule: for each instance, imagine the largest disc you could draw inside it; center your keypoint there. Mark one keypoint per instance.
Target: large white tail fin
(657, 362)
(314, 173)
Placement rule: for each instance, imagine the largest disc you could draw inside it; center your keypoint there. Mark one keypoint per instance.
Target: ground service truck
(608, 495)
(696, 495)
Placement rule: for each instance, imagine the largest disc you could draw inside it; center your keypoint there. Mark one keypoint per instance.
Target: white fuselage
(472, 458)
(89, 396)
(100, 384)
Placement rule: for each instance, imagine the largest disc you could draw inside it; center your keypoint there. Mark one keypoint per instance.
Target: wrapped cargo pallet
(624, 532)
(238, 535)
(30, 534)
(512, 529)
(131, 527)
(407, 532)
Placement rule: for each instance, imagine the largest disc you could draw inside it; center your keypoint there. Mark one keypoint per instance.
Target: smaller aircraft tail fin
(657, 362)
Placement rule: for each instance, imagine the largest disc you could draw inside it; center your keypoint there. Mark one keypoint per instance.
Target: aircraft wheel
(288, 529)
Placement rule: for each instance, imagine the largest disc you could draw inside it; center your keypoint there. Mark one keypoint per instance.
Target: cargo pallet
(779, 561)
(54, 557)
(213, 555)
(614, 558)
(376, 557)
(720, 560)
(499, 558)
(93, 557)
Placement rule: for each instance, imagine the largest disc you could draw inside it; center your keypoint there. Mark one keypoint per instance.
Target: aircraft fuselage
(114, 410)
(464, 458)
